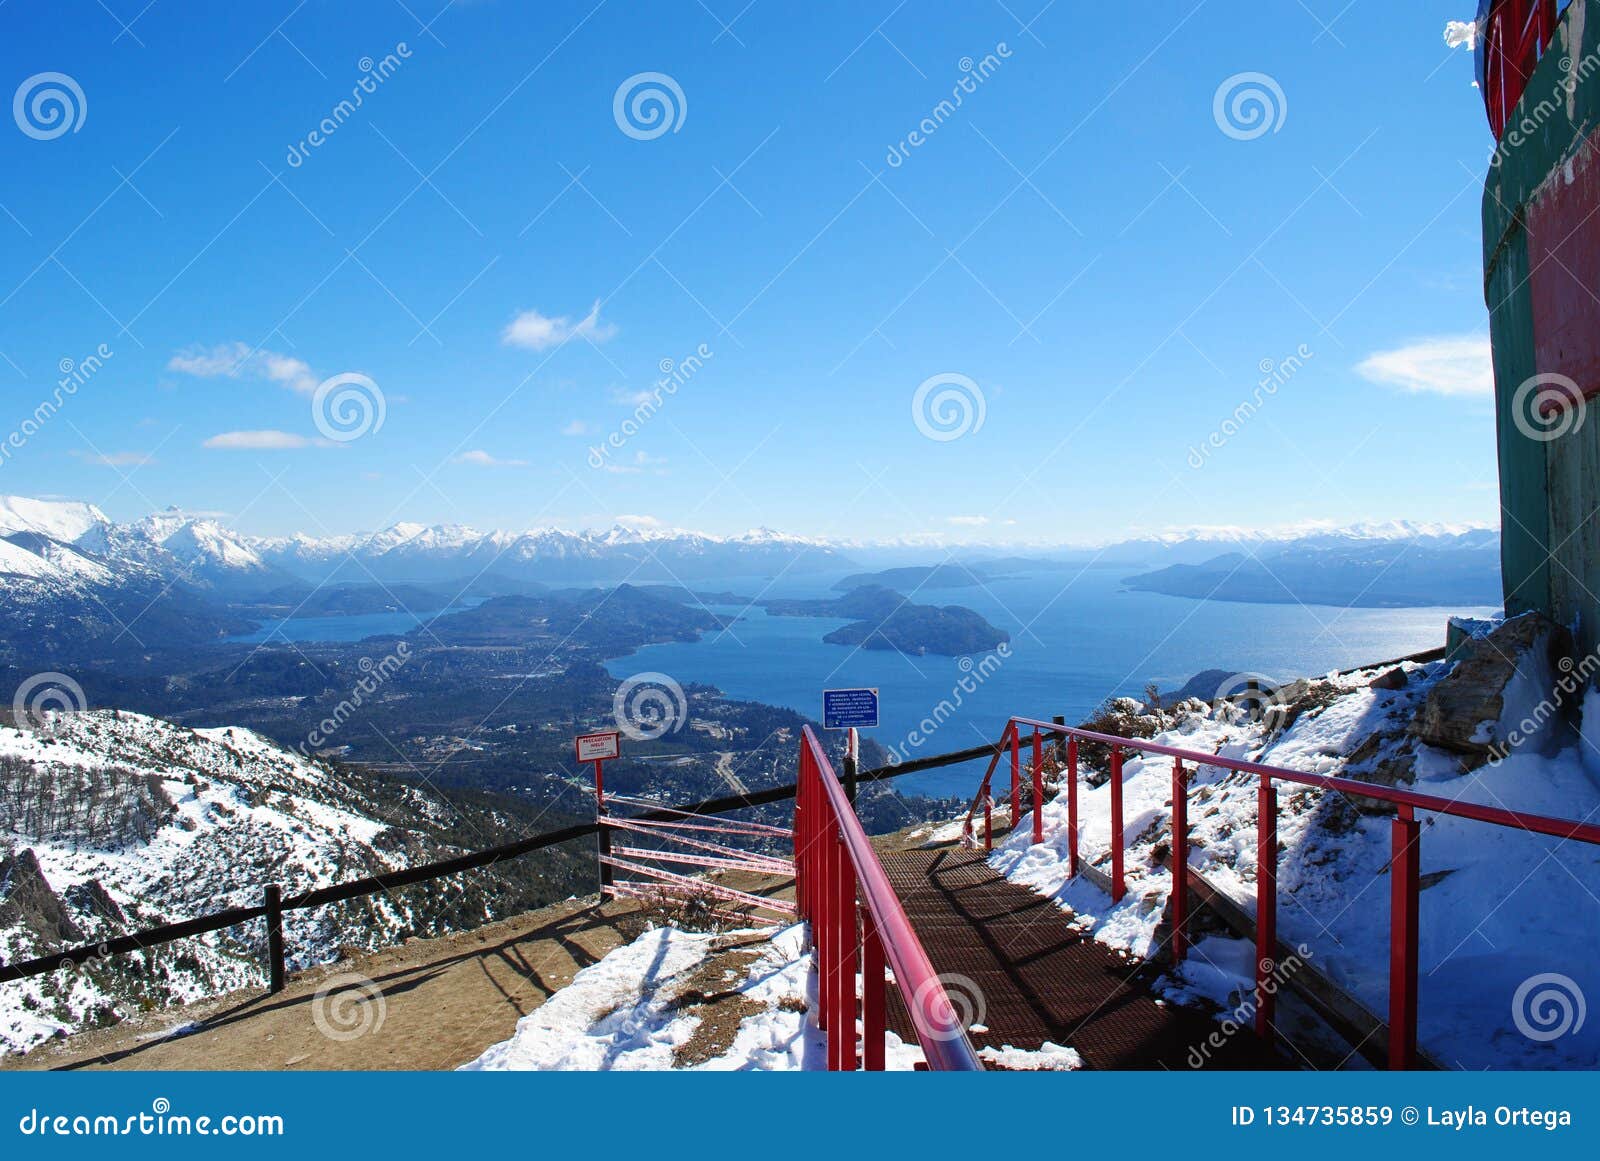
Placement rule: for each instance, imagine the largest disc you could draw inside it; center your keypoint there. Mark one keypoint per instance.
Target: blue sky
(1086, 244)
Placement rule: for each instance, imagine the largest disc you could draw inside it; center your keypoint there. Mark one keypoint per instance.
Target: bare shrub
(1122, 717)
(688, 909)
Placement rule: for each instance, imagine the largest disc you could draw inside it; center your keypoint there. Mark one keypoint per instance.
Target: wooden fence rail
(275, 903)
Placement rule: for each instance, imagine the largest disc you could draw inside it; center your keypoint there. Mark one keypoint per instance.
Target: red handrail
(1405, 834)
(836, 870)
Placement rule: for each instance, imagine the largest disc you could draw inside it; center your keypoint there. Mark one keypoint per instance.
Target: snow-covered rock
(1503, 693)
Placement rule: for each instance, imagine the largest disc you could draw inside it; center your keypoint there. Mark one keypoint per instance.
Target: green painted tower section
(1541, 235)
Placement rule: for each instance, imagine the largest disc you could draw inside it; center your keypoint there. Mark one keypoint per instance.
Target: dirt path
(428, 1004)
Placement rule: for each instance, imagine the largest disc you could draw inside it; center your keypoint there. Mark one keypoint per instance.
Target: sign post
(852, 761)
(852, 710)
(600, 748)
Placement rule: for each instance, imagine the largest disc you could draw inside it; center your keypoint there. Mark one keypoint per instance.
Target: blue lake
(1075, 639)
(350, 627)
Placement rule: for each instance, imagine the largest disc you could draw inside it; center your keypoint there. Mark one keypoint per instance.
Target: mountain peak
(63, 520)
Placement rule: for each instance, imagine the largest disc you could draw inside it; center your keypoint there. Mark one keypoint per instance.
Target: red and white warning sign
(598, 747)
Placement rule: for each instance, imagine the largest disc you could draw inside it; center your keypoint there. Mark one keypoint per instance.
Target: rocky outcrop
(27, 901)
(93, 900)
(1503, 693)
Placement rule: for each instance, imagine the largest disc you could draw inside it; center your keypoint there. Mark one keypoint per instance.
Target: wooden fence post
(275, 968)
(852, 763)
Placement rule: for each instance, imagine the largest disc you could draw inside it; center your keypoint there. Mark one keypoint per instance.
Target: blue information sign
(843, 708)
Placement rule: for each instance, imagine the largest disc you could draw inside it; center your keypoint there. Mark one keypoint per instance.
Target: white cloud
(640, 463)
(127, 459)
(208, 362)
(1445, 365)
(259, 441)
(292, 373)
(482, 459)
(537, 332)
(969, 521)
(576, 427)
(240, 361)
(639, 521)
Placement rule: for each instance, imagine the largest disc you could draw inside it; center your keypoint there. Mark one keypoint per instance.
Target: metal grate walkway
(1041, 980)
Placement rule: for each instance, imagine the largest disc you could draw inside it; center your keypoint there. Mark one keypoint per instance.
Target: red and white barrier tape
(702, 819)
(760, 866)
(781, 866)
(699, 886)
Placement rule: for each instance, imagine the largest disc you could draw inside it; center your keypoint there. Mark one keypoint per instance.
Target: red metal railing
(1405, 835)
(1513, 36)
(836, 872)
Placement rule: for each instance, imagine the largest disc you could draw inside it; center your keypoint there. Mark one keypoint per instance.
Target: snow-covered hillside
(1499, 907)
(113, 822)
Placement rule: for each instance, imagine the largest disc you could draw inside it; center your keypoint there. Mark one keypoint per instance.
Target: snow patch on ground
(612, 1016)
(619, 1014)
(1048, 1057)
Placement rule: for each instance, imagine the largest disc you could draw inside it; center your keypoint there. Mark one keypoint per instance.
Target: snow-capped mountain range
(68, 569)
(73, 545)
(1193, 545)
(416, 552)
(112, 822)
